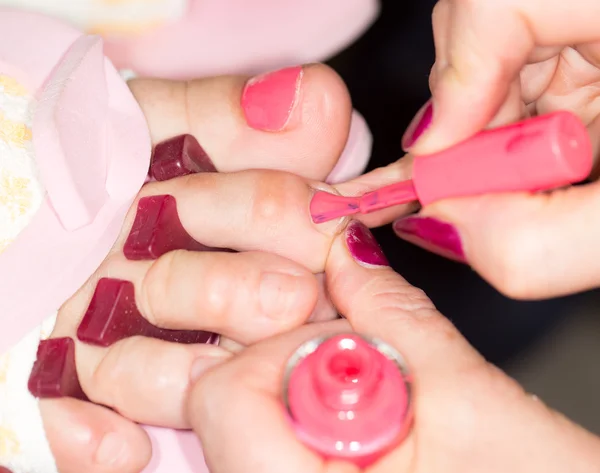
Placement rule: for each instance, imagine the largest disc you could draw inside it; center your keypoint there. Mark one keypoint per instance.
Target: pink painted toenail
(179, 156)
(54, 373)
(113, 315)
(158, 230)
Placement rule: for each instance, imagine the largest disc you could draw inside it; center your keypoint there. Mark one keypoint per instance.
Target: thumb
(527, 246)
(472, 81)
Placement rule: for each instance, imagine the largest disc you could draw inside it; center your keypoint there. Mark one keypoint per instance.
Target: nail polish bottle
(348, 397)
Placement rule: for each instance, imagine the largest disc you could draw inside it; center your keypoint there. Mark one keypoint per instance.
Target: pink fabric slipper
(241, 36)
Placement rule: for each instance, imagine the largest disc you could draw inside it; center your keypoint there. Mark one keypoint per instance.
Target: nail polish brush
(540, 153)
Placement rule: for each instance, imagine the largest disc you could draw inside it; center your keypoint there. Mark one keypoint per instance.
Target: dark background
(386, 72)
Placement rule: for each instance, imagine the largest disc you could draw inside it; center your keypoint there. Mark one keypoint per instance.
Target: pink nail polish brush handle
(348, 397)
(541, 153)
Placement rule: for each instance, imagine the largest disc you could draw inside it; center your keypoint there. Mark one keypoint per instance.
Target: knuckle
(519, 259)
(221, 287)
(386, 293)
(275, 195)
(157, 286)
(106, 380)
(405, 308)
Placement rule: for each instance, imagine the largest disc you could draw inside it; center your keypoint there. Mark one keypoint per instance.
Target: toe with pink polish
(178, 157)
(113, 315)
(54, 372)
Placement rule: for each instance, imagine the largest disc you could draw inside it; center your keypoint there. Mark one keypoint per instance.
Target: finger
(440, 21)
(245, 296)
(296, 119)
(457, 394)
(247, 391)
(527, 246)
(90, 438)
(251, 211)
(489, 43)
(378, 302)
(574, 83)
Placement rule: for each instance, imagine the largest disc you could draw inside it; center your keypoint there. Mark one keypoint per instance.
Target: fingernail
(432, 234)
(418, 125)
(203, 364)
(179, 156)
(157, 230)
(363, 246)
(113, 450)
(278, 294)
(268, 100)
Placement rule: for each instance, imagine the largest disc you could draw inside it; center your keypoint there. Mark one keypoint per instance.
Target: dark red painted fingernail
(433, 235)
(157, 230)
(179, 156)
(54, 373)
(418, 126)
(113, 315)
(4, 470)
(363, 246)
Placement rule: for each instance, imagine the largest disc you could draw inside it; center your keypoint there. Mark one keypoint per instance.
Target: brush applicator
(540, 153)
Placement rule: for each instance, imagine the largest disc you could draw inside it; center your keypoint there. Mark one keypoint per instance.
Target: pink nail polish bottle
(348, 397)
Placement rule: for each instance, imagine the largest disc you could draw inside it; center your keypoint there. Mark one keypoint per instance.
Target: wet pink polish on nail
(348, 397)
(268, 100)
(113, 315)
(54, 373)
(363, 246)
(418, 126)
(179, 156)
(157, 230)
(433, 234)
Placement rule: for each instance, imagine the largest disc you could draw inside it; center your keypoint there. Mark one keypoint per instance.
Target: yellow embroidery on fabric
(123, 27)
(15, 194)
(14, 133)
(4, 361)
(9, 444)
(12, 86)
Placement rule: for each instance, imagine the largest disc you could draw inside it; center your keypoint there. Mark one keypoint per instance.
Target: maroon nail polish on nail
(54, 373)
(418, 126)
(157, 230)
(432, 234)
(179, 156)
(363, 246)
(113, 315)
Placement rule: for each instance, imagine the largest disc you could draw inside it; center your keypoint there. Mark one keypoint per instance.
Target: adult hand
(240, 129)
(498, 61)
(469, 416)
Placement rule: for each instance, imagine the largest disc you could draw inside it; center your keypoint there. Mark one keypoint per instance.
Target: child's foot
(245, 296)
